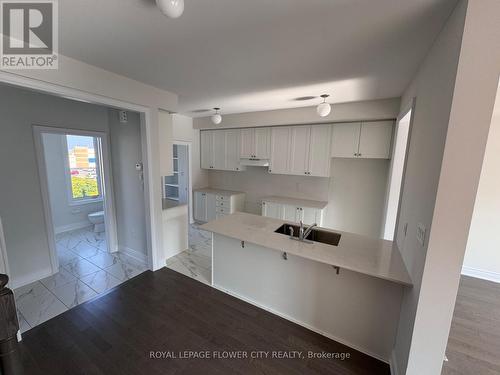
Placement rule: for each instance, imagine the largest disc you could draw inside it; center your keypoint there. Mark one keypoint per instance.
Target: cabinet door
(262, 143)
(211, 207)
(200, 206)
(309, 216)
(207, 146)
(219, 150)
(280, 150)
(291, 213)
(271, 209)
(299, 150)
(345, 140)
(375, 139)
(319, 150)
(247, 148)
(232, 150)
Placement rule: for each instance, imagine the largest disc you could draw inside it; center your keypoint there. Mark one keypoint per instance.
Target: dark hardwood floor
(165, 311)
(474, 341)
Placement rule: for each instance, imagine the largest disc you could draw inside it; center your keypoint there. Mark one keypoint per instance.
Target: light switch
(421, 233)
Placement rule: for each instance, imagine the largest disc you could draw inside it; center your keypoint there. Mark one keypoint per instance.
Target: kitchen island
(358, 305)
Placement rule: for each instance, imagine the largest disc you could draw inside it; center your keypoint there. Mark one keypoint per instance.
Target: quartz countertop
(218, 191)
(369, 256)
(296, 202)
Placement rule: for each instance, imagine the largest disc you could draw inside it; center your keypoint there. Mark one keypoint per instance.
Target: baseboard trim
(135, 254)
(300, 323)
(481, 274)
(18, 282)
(393, 363)
(74, 226)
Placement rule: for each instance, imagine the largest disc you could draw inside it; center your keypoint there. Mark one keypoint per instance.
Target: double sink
(316, 235)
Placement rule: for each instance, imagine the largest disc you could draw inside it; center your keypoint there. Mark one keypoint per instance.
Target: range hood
(255, 162)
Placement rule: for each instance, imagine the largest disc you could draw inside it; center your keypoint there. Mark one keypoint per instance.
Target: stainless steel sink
(316, 235)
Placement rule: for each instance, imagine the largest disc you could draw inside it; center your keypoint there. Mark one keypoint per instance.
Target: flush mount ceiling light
(216, 118)
(171, 8)
(324, 108)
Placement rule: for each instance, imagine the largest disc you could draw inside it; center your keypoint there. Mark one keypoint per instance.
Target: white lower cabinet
(211, 204)
(284, 209)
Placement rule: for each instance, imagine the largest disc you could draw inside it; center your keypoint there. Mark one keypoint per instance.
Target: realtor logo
(29, 34)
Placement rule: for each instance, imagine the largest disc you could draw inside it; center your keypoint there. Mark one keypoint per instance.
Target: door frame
(149, 115)
(190, 178)
(106, 186)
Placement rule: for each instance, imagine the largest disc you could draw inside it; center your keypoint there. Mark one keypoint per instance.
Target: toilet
(97, 218)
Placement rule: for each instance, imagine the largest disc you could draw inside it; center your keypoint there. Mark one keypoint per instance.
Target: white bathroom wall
(65, 217)
(128, 187)
(20, 197)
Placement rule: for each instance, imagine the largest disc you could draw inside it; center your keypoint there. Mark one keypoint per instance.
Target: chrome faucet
(303, 232)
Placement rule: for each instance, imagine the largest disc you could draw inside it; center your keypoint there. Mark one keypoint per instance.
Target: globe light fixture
(324, 108)
(171, 8)
(216, 118)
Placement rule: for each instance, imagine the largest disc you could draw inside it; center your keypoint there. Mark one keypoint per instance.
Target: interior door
(345, 140)
(247, 141)
(232, 150)
(319, 150)
(262, 143)
(299, 150)
(219, 150)
(280, 146)
(375, 139)
(206, 154)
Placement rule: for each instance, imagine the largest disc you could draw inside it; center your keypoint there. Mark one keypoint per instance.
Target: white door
(219, 151)
(319, 150)
(232, 150)
(211, 207)
(280, 146)
(299, 150)
(375, 139)
(206, 154)
(290, 213)
(247, 148)
(262, 143)
(309, 215)
(345, 140)
(200, 206)
(271, 209)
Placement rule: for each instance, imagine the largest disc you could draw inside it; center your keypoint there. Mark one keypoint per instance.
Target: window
(83, 169)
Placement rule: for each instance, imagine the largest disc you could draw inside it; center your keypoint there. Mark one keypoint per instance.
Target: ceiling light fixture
(324, 108)
(171, 8)
(216, 118)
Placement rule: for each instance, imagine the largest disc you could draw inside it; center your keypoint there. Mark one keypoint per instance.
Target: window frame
(67, 171)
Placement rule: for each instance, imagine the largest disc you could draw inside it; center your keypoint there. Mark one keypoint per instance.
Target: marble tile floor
(196, 261)
(87, 270)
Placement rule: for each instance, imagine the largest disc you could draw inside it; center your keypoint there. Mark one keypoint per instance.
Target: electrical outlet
(421, 233)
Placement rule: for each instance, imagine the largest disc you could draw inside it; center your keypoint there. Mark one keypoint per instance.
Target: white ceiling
(249, 55)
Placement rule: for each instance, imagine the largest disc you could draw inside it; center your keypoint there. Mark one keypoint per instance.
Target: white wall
(128, 188)
(20, 195)
(64, 216)
(455, 89)
(482, 258)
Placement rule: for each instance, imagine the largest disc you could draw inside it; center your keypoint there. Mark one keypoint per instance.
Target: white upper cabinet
(280, 150)
(207, 147)
(255, 143)
(345, 140)
(299, 150)
(362, 140)
(220, 149)
(319, 150)
(375, 140)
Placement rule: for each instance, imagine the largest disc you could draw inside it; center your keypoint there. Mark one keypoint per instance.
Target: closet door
(207, 146)
(345, 140)
(299, 150)
(319, 151)
(280, 150)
